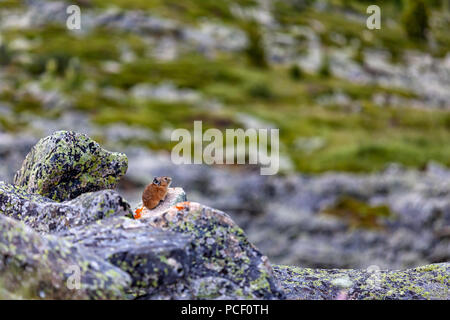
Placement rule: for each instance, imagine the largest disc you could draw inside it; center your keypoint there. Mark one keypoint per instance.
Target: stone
(67, 164)
(429, 282)
(151, 256)
(181, 249)
(48, 216)
(222, 251)
(46, 267)
(283, 215)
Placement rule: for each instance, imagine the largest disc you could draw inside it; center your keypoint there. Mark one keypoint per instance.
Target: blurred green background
(344, 97)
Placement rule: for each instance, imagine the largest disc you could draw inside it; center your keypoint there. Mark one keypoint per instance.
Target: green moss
(358, 213)
(295, 72)
(10, 4)
(260, 283)
(255, 50)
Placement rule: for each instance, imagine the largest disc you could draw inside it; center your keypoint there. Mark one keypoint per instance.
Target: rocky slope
(427, 282)
(398, 218)
(344, 97)
(139, 69)
(408, 211)
(186, 250)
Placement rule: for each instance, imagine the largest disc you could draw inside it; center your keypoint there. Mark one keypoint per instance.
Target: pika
(155, 192)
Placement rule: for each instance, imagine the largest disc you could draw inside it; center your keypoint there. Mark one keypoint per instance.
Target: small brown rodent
(155, 192)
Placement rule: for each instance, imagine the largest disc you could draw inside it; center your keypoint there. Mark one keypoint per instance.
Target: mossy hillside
(357, 137)
(187, 11)
(153, 258)
(10, 4)
(345, 17)
(47, 216)
(361, 141)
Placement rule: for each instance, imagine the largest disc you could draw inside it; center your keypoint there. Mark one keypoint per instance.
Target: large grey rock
(234, 267)
(67, 164)
(48, 216)
(203, 254)
(186, 252)
(283, 215)
(46, 267)
(153, 257)
(427, 282)
(174, 196)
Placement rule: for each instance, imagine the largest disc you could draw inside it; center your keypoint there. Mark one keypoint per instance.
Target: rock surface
(284, 216)
(67, 164)
(179, 250)
(48, 216)
(235, 268)
(40, 267)
(189, 251)
(427, 282)
(151, 256)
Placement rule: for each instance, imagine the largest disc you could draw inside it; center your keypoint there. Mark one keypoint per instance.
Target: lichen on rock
(151, 256)
(427, 282)
(67, 164)
(48, 216)
(33, 266)
(222, 252)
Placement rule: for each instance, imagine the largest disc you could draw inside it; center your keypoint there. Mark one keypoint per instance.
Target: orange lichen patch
(182, 205)
(138, 213)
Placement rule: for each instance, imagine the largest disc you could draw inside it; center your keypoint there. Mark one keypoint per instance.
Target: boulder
(179, 250)
(48, 216)
(67, 164)
(428, 282)
(186, 252)
(285, 216)
(226, 264)
(45, 267)
(152, 257)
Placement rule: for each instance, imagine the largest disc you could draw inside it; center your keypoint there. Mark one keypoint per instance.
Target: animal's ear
(156, 181)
